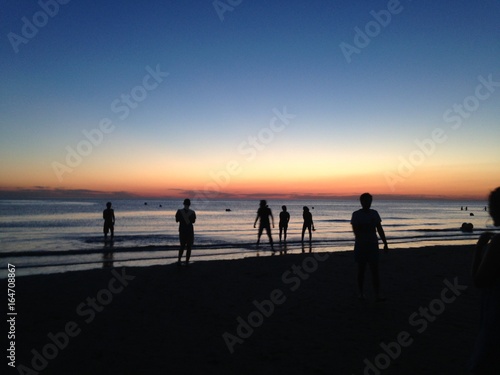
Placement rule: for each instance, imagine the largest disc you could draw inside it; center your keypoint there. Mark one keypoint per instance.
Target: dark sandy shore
(293, 314)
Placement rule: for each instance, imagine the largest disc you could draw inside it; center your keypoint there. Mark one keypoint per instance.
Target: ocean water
(49, 236)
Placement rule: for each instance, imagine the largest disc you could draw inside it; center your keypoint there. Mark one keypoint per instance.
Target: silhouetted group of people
(184, 216)
(366, 224)
(265, 215)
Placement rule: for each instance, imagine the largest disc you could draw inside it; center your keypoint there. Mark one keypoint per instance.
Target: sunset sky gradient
(257, 100)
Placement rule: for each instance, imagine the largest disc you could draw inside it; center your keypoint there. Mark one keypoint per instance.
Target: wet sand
(294, 314)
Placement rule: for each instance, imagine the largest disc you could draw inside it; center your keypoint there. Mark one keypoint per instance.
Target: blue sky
(226, 77)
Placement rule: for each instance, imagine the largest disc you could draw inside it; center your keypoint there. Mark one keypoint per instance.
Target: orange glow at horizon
(160, 177)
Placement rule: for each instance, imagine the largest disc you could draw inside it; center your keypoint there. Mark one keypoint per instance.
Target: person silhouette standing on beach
(283, 224)
(263, 213)
(308, 223)
(109, 221)
(365, 225)
(486, 276)
(186, 218)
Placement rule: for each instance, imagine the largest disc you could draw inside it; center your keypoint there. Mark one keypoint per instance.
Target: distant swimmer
(109, 221)
(467, 227)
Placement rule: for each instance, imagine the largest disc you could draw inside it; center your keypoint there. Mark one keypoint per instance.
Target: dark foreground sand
(171, 320)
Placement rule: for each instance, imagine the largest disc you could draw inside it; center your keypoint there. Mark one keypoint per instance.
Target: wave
(448, 230)
(134, 237)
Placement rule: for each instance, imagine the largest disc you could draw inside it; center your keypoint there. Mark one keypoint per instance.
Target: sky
(238, 98)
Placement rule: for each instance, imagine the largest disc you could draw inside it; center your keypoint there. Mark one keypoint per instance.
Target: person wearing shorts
(365, 225)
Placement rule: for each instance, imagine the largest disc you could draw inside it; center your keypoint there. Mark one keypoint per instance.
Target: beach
(294, 314)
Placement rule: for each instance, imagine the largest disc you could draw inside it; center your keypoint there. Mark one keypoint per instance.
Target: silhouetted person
(109, 221)
(186, 218)
(107, 256)
(283, 224)
(486, 275)
(263, 213)
(308, 223)
(365, 225)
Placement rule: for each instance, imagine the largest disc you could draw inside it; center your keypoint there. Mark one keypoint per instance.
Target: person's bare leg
(181, 252)
(268, 230)
(188, 253)
(258, 236)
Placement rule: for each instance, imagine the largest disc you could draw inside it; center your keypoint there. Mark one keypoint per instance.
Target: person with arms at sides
(109, 221)
(365, 225)
(283, 224)
(186, 218)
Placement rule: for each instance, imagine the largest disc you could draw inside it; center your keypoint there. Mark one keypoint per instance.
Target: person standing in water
(283, 224)
(263, 213)
(186, 218)
(365, 225)
(308, 223)
(109, 221)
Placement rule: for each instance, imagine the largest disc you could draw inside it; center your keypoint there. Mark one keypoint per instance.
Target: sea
(53, 236)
